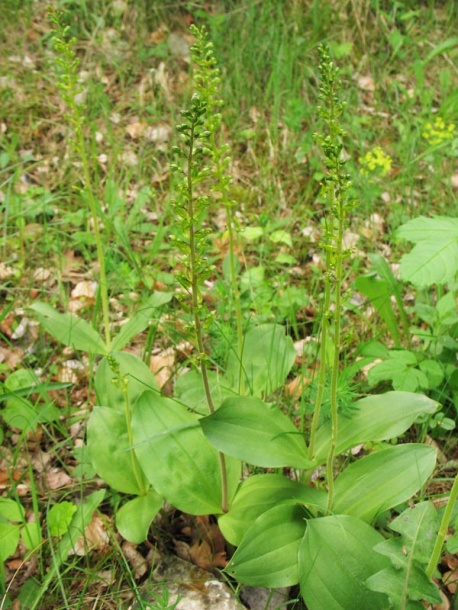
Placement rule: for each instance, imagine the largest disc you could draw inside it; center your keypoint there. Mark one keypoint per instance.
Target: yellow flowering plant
(438, 131)
(376, 162)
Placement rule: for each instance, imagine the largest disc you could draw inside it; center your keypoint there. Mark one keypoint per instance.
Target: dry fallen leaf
(366, 83)
(158, 36)
(6, 272)
(41, 274)
(450, 580)
(445, 605)
(136, 129)
(136, 560)
(84, 289)
(56, 478)
(71, 371)
(11, 356)
(158, 133)
(162, 365)
(69, 265)
(295, 387)
(95, 537)
(179, 46)
(20, 329)
(6, 476)
(350, 240)
(162, 79)
(207, 548)
(82, 295)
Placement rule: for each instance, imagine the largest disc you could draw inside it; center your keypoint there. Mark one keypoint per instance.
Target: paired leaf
(133, 520)
(111, 451)
(375, 418)
(257, 433)
(69, 329)
(434, 258)
(177, 458)
(259, 493)
(268, 554)
(336, 557)
(382, 480)
(268, 355)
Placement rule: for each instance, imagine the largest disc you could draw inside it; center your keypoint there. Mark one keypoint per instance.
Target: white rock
(196, 588)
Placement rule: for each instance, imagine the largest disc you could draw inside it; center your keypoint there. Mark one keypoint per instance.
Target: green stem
(95, 219)
(334, 399)
(195, 306)
(134, 460)
(323, 355)
(234, 284)
(68, 77)
(443, 529)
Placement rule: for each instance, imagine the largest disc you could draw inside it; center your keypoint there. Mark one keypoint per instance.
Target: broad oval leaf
(336, 557)
(111, 451)
(259, 434)
(177, 458)
(9, 539)
(136, 372)
(59, 517)
(268, 554)
(268, 355)
(69, 330)
(375, 418)
(134, 518)
(10, 510)
(434, 258)
(261, 492)
(382, 480)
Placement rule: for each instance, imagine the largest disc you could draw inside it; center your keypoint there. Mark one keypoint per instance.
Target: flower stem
(443, 528)
(196, 306)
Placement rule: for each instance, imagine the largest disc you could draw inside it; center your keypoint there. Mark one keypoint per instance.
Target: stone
(196, 588)
(259, 598)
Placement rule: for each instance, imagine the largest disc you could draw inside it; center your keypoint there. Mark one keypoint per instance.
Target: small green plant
(189, 451)
(15, 528)
(70, 88)
(430, 367)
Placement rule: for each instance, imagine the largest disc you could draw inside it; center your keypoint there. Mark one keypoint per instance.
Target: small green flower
(375, 161)
(438, 131)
